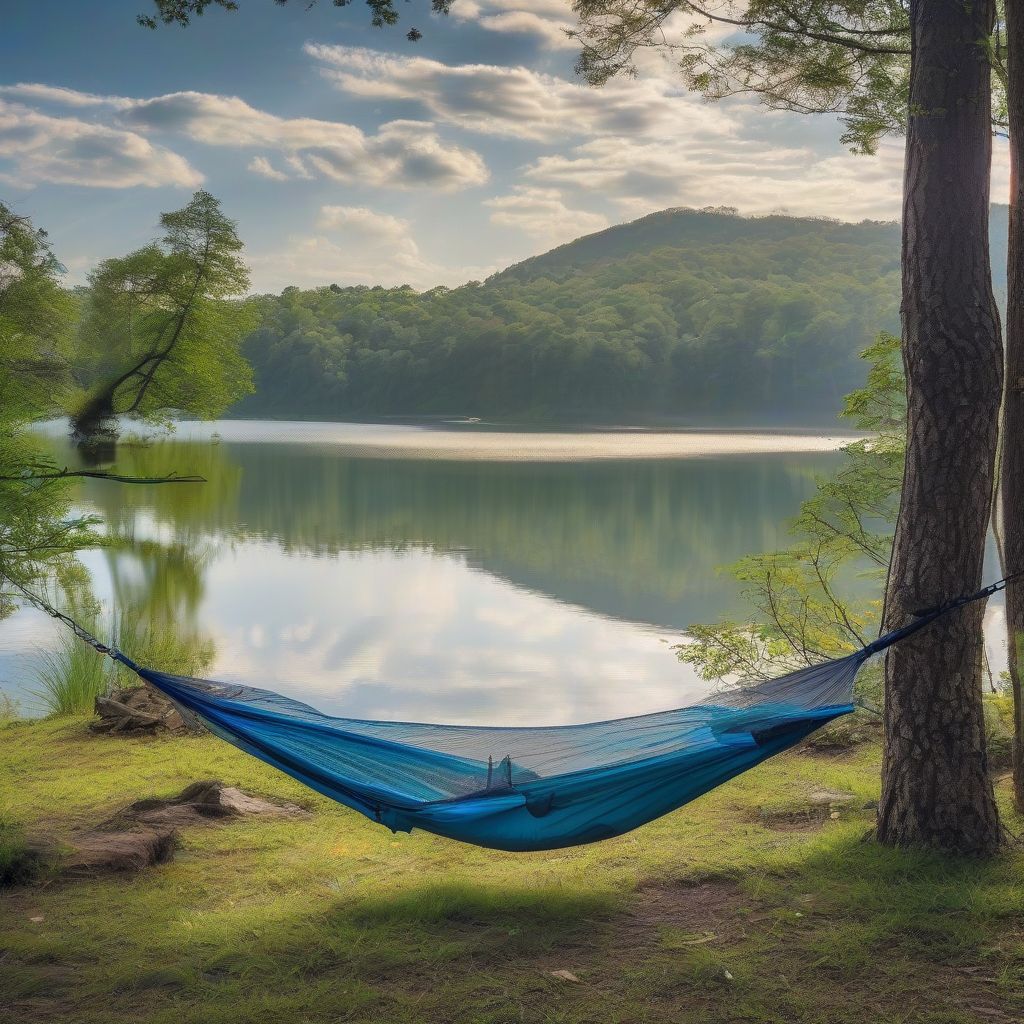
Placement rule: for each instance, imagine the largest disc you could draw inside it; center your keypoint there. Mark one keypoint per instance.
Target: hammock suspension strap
(925, 616)
(108, 650)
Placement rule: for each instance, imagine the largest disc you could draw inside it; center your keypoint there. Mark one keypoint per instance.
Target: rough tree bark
(935, 786)
(1012, 462)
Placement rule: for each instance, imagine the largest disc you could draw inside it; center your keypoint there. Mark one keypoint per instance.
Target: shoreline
(478, 442)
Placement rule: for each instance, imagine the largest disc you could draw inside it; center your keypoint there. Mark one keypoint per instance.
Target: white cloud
(402, 154)
(552, 35)
(355, 245)
(545, 20)
(360, 227)
(58, 94)
(298, 167)
(265, 169)
(641, 176)
(230, 121)
(517, 101)
(67, 151)
(542, 213)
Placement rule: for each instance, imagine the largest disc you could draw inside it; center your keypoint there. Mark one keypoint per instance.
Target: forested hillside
(677, 314)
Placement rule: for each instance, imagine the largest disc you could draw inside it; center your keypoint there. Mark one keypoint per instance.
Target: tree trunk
(1012, 468)
(935, 786)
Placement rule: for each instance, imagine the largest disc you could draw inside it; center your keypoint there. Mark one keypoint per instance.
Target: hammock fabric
(525, 788)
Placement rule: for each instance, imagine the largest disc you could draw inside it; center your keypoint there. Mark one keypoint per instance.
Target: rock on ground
(202, 802)
(145, 832)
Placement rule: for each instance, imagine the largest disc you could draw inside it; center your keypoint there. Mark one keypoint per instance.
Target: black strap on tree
(925, 616)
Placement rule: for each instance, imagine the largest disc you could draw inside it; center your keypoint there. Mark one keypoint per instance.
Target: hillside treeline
(678, 314)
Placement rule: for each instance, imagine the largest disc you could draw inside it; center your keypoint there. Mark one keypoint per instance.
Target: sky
(350, 155)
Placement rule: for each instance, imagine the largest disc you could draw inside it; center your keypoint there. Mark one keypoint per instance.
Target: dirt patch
(200, 804)
(828, 751)
(804, 819)
(719, 909)
(821, 806)
(101, 852)
(146, 832)
(842, 739)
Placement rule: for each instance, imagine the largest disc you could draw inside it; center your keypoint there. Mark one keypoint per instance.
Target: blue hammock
(525, 788)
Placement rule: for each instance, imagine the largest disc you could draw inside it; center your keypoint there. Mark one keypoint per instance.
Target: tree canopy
(850, 58)
(181, 12)
(36, 529)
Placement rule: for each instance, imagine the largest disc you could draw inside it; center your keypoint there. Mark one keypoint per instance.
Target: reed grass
(71, 678)
(74, 675)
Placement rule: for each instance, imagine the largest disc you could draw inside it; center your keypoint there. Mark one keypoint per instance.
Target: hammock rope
(520, 789)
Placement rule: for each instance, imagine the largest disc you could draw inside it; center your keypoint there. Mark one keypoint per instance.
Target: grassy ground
(745, 906)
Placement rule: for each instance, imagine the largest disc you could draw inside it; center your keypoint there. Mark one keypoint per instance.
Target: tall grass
(72, 677)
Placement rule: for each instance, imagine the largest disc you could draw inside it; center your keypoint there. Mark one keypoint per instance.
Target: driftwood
(137, 710)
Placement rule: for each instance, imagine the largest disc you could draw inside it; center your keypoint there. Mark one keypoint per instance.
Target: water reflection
(639, 541)
(466, 591)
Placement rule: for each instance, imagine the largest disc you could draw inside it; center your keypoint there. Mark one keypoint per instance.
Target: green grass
(712, 914)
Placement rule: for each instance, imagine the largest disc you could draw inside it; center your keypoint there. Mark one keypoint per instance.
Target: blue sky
(350, 155)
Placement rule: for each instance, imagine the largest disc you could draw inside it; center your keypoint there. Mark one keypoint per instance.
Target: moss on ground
(724, 911)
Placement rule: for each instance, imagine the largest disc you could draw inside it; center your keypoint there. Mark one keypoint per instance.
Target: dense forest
(675, 315)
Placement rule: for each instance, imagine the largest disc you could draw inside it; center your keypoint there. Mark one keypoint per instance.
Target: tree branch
(61, 474)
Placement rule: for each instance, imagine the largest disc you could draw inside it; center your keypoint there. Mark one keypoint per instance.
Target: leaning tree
(162, 327)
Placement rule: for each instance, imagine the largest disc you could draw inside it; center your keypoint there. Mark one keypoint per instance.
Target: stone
(201, 803)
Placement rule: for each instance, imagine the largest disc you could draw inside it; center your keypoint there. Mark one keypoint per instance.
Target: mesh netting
(424, 762)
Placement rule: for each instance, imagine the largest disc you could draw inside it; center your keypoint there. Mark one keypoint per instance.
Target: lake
(442, 573)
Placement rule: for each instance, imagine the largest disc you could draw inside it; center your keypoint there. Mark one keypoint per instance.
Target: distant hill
(686, 315)
(708, 230)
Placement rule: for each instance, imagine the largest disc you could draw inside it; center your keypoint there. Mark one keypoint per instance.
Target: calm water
(460, 575)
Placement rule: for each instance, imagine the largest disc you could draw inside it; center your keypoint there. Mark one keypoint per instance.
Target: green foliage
(804, 602)
(161, 330)
(181, 12)
(145, 622)
(850, 58)
(681, 313)
(998, 708)
(35, 319)
(72, 677)
(37, 531)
